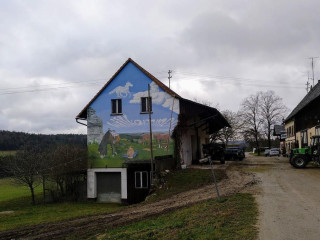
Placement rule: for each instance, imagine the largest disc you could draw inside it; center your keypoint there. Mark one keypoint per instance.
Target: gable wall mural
(115, 138)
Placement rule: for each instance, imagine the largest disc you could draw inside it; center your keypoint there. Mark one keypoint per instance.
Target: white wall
(187, 144)
(186, 148)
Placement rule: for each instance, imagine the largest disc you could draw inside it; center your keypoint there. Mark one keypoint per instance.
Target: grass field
(17, 199)
(233, 219)
(7, 153)
(184, 180)
(9, 190)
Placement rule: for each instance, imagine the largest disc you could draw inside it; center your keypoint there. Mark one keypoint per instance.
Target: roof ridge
(153, 78)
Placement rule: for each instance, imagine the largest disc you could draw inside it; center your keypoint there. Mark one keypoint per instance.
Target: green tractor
(300, 157)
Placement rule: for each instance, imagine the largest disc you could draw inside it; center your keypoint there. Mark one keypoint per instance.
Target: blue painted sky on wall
(130, 85)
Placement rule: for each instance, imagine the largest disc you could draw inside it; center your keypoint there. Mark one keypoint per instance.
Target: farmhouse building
(119, 149)
(304, 121)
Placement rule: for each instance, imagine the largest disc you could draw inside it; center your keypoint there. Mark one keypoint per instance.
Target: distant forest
(10, 141)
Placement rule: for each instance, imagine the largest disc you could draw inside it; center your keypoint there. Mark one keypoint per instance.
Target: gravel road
(288, 199)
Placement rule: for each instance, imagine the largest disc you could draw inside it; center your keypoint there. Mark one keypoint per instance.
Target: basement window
(145, 105)
(116, 106)
(141, 179)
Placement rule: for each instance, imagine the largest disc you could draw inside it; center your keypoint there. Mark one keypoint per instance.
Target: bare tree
(272, 111)
(251, 118)
(65, 163)
(227, 134)
(25, 168)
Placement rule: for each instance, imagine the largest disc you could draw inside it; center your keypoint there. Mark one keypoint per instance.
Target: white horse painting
(122, 91)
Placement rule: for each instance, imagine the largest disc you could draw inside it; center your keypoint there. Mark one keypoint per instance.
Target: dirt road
(86, 226)
(288, 198)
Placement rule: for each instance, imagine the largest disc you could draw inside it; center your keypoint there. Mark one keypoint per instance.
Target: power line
(190, 75)
(222, 77)
(239, 83)
(46, 89)
(53, 84)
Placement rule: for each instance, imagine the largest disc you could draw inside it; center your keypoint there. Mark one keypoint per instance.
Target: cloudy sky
(55, 55)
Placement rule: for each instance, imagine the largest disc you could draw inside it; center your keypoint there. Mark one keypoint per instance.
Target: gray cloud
(259, 45)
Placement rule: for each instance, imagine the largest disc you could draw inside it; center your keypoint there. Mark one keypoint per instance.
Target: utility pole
(312, 66)
(169, 76)
(150, 128)
(308, 84)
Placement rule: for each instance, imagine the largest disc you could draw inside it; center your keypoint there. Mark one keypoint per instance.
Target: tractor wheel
(298, 161)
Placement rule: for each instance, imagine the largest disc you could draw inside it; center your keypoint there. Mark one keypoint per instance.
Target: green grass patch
(233, 219)
(9, 190)
(7, 153)
(30, 215)
(184, 180)
(18, 199)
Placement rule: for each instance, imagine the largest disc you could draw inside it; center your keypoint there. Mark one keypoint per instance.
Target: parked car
(234, 153)
(274, 152)
(267, 152)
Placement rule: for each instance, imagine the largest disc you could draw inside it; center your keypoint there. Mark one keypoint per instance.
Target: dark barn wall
(309, 116)
(137, 195)
(166, 162)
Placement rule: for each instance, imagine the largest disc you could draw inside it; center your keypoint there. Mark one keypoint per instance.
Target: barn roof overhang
(311, 96)
(206, 118)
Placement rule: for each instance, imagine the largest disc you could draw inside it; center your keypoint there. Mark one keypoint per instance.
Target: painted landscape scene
(114, 149)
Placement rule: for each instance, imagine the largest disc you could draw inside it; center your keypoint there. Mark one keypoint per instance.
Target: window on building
(304, 138)
(145, 105)
(116, 106)
(292, 131)
(141, 179)
(317, 130)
